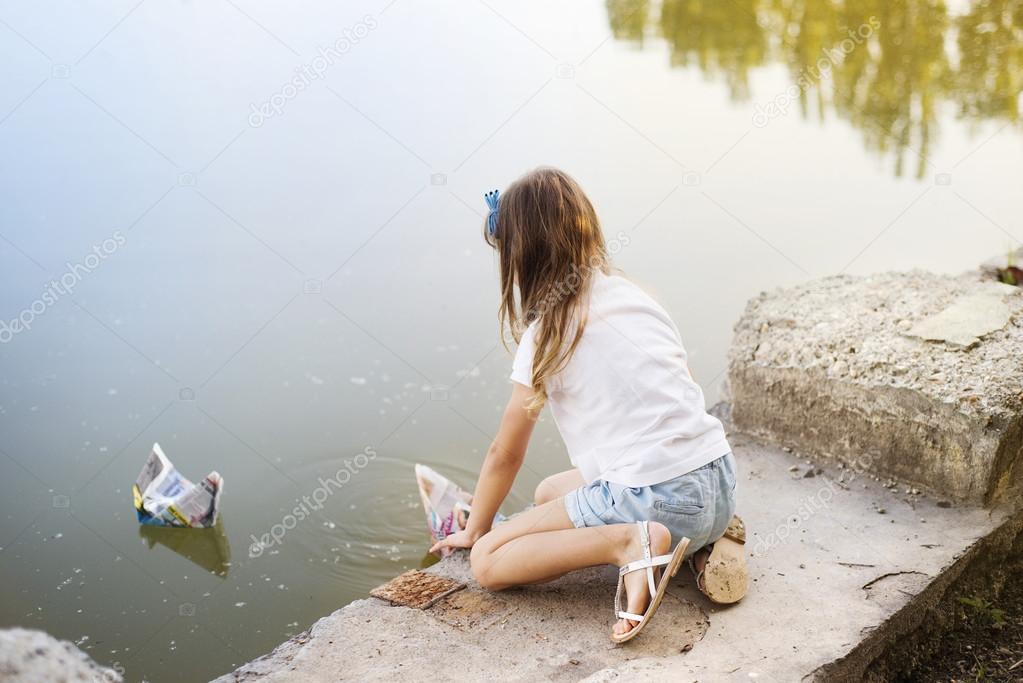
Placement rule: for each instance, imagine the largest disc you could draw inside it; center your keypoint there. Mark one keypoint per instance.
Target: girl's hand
(460, 539)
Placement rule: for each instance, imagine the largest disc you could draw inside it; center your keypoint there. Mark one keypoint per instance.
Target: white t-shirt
(626, 406)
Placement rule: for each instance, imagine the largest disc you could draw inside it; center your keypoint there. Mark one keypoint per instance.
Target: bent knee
(481, 561)
(556, 486)
(545, 492)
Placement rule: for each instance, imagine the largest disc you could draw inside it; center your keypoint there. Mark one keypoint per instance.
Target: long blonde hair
(550, 243)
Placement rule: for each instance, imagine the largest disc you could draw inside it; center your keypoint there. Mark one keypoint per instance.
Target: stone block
(915, 376)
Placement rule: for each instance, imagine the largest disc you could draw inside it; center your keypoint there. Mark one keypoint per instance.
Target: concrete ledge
(842, 567)
(910, 375)
(913, 633)
(894, 383)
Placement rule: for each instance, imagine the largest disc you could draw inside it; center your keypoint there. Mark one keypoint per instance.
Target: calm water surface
(272, 290)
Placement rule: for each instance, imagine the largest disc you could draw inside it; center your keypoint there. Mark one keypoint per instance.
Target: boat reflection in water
(207, 548)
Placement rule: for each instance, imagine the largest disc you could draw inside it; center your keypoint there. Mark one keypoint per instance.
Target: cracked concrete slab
(470, 610)
(832, 367)
(831, 577)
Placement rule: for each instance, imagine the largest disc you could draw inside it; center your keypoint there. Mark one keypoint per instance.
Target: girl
(654, 477)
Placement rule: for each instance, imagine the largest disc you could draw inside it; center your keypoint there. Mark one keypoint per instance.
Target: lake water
(263, 225)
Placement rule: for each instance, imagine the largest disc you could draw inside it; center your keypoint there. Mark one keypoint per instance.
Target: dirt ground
(986, 643)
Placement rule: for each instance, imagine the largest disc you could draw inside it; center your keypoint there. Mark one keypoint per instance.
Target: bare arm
(503, 461)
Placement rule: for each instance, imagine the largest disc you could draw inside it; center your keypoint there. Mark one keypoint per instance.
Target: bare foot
(636, 590)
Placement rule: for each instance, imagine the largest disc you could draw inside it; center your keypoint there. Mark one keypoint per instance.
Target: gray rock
(28, 656)
(945, 415)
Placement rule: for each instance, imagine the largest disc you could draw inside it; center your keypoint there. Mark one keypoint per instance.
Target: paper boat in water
(165, 498)
(446, 505)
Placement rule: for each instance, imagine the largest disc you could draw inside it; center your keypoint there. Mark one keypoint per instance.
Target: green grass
(995, 616)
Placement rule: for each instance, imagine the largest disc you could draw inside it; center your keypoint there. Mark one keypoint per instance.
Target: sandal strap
(636, 565)
(644, 537)
(618, 595)
(622, 614)
(648, 562)
(696, 573)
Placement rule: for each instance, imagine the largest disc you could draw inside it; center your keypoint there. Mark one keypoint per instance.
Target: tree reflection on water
(891, 87)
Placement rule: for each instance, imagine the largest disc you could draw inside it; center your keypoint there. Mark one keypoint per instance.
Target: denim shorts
(697, 505)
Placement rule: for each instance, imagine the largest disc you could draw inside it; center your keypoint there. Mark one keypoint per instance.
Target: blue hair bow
(493, 200)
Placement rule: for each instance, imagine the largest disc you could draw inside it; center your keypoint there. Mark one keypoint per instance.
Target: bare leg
(542, 544)
(557, 485)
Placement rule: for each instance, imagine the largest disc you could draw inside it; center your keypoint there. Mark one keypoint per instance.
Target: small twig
(869, 584)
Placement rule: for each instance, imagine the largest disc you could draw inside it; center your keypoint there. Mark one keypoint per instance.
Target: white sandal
(671, 562)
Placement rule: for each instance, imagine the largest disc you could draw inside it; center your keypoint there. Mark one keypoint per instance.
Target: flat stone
(830, 368)
(833, 586)
(968, 319)
(416, 589)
